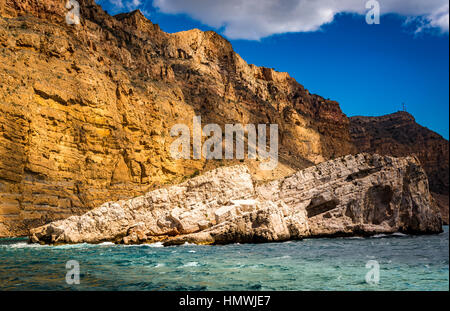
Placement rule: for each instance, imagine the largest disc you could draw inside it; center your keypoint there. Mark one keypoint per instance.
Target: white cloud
(117, 3)
(255, 19)
(128, 4)
(439, 18)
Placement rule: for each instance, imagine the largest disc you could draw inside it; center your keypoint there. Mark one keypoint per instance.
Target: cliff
(86, 110)
(353, 195)
(399, 135)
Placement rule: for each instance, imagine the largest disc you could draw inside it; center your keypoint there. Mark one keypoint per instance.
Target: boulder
(352, 195)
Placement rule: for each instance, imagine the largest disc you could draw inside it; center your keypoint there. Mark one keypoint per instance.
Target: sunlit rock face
(86, 110)
(352, 195)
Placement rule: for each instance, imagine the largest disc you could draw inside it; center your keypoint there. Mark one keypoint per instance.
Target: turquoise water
(406, 263)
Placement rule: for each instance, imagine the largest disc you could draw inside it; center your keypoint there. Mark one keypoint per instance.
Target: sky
(327, 46)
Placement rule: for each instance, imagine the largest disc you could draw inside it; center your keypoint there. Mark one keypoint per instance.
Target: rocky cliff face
(86, 109)
(399, 135)
(353, 195)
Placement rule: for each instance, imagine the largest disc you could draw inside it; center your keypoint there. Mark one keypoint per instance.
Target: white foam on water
(69, 246)
(106, 244)
(192, 252)
(24, 245)
(157, 244)
(191, 264)
(159, 265)
(396, 234)
(382, 235)
(399, 234)
(39, 246)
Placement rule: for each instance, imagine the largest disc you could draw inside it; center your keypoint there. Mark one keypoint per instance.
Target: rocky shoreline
(349, 196)
(86, 113)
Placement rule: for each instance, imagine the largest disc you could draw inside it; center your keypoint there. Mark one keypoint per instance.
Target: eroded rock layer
(399, 135)
(352, 195)
(86, 110)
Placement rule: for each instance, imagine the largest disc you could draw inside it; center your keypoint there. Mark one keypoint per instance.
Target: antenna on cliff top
(403, 107)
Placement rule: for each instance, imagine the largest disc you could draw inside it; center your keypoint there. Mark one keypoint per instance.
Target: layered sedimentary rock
(399, 135)
(86, 110)
(352, 195)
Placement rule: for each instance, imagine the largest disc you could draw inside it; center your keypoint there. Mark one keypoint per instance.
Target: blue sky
(369, 69)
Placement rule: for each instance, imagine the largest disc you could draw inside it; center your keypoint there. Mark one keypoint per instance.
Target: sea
(395, 262)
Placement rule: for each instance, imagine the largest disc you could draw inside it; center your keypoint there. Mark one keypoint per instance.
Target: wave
(69, 246)
(377, 236)
(20, 245)
(191, 264)
(388, 235)
(283, 257)
(157, 244)
(24, 245)
(399, 234)
(106, 244)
